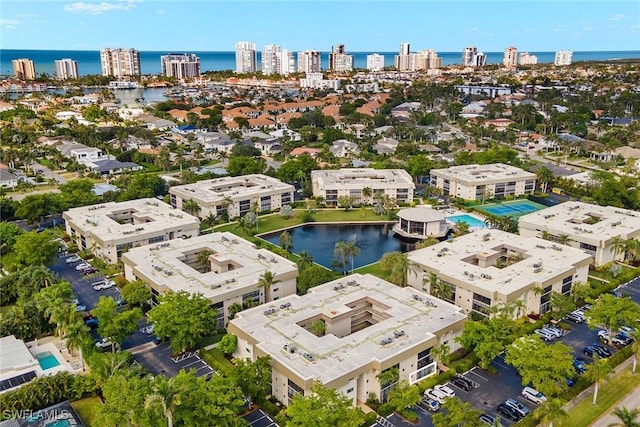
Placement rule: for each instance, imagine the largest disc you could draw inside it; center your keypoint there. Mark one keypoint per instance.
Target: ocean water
(89, 61)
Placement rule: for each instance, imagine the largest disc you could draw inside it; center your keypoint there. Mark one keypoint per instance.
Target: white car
(547, 336)
(72, 259)
(556, 332)
(533, 395)
(82, 266)
(446, 390)
(106, 284)
(147, 330)
(104, 343)
(436, 395)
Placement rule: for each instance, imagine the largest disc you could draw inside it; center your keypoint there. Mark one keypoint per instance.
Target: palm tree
(429, 241)
(441, 354)
(551, 411)
(388, 377)
(234, 309)
(77, 336)
(244, 225)
(366, 194)
(165, 395)
(340, 255)
(266, 281)
(286, 241)
(203, 260)
(306, 260)
(352, 250)
(255, 208)
(191, 207)
(597, 372)
(564, 239)
(627, 417)
(618, 245)
(225, 203)
(519, 305)
(545, 176)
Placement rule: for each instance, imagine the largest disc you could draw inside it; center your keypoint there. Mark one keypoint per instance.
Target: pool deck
(56, 347)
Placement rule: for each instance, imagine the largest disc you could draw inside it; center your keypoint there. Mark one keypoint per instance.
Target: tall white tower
(246, 57)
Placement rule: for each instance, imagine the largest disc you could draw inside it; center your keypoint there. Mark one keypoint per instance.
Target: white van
(533, 395)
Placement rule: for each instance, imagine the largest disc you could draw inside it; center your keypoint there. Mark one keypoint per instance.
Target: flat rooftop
(362, 177)
(235, 187)
(403, 318)
(585, 221)
(109, 221)
(480, 173)
(497, 261)
(173, 264)
(15, 356)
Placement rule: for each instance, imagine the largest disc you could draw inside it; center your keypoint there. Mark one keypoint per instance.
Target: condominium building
(480, 60)
(309, 61)
(233, 195)
(181, 66)
(112, 228)
(66, 69)
(246, 57)
(525, 58)
(426, 60)
(340, 60)
(492, 268)
(563, 57)
(468, 56)
(600, 231)
(317, 81)
(23, 69)
(479, 182)
(404, 60)
(276, 60)
(510, 58)
(352, 182)
(120, 62)
(344, 334)
(375, 62)
(220, 266)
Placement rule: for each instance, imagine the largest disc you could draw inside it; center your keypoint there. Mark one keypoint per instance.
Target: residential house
(344, 148)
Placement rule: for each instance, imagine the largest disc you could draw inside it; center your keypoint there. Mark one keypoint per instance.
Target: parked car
(547, 336)
(429, 404)
(104, 343)
(446, 390)
(73, 259)
(602, 350)
(436, 395)
(519, 407)
(579, 367)
(574, 318)
(487, 419)
(459, 382)
(556, 332)
(88, 271)
(533, 395)
(92, 322)
(157, 340)
(509, 412)
(81, 307)
(147, 329)
(103, 284)
(82, 266)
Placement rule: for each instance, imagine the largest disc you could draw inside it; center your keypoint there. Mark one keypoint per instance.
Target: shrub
(308, 217)
(385, 409)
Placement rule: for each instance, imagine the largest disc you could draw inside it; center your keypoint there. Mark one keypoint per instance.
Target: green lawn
(374, 269)
(217, 361)
(615, 389)
(87, 409)
(273, 222)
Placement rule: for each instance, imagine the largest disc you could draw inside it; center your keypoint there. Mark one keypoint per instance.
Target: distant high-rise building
(525, 58)
(480, 59)
(469, 55)
(246, 57)
(23, 69)
(426, 60)
(309, 61)
(181, 66)
(510, 58)
(120, 62)
(563, 57)
(276, 60)
(66, 69)
(404, 61)
(340, 60)
(375, 62)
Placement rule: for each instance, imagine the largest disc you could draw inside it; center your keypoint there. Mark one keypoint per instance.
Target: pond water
(319, 240)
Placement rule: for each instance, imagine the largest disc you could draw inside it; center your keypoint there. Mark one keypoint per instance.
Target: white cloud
(160, 12)
(585, 29)
(27, 15)
(9, 21)
(473, 29)
(10, 27)
(616, 17)
(558, 29)
(99, 8)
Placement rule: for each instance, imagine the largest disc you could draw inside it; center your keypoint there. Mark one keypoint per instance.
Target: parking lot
(158, 359)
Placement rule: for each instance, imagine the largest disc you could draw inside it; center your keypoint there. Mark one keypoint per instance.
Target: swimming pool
(60, 423)
(471, 220)
(47, 360)
(513, 209)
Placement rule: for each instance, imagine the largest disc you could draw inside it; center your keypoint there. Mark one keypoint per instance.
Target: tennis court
(513, 209)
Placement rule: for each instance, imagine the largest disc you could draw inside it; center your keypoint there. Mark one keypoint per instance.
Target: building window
(350, 390)
(244, 206)
(156, 239)
(293, 389)
(265, 203)
(566, 284)
(545, 297)
(589, 249)
(481, 304)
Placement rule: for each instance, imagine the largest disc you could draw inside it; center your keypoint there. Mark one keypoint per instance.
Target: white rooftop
(421, 214)
(589, 222)
(474, 173)
(408, 317)
(362, 177)
(235, 187)
(472, 259)
(164, 264)
(15, 357)
(148, 216)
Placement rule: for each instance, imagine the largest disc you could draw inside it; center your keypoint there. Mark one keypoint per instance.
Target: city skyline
(360, 25)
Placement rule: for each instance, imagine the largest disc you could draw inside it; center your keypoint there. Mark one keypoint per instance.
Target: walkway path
(630, 401)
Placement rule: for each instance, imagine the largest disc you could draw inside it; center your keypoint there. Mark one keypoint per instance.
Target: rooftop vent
(285, 305)
(398, 334)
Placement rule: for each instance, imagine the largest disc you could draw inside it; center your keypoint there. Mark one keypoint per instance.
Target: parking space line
(472, 371)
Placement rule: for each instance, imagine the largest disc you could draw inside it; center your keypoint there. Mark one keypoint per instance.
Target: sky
(362, 26)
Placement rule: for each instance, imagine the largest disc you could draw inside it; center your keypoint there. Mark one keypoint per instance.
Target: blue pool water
(471, 220)
(47, 360)
(513, 209)
(319, 240)
(60, 423)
